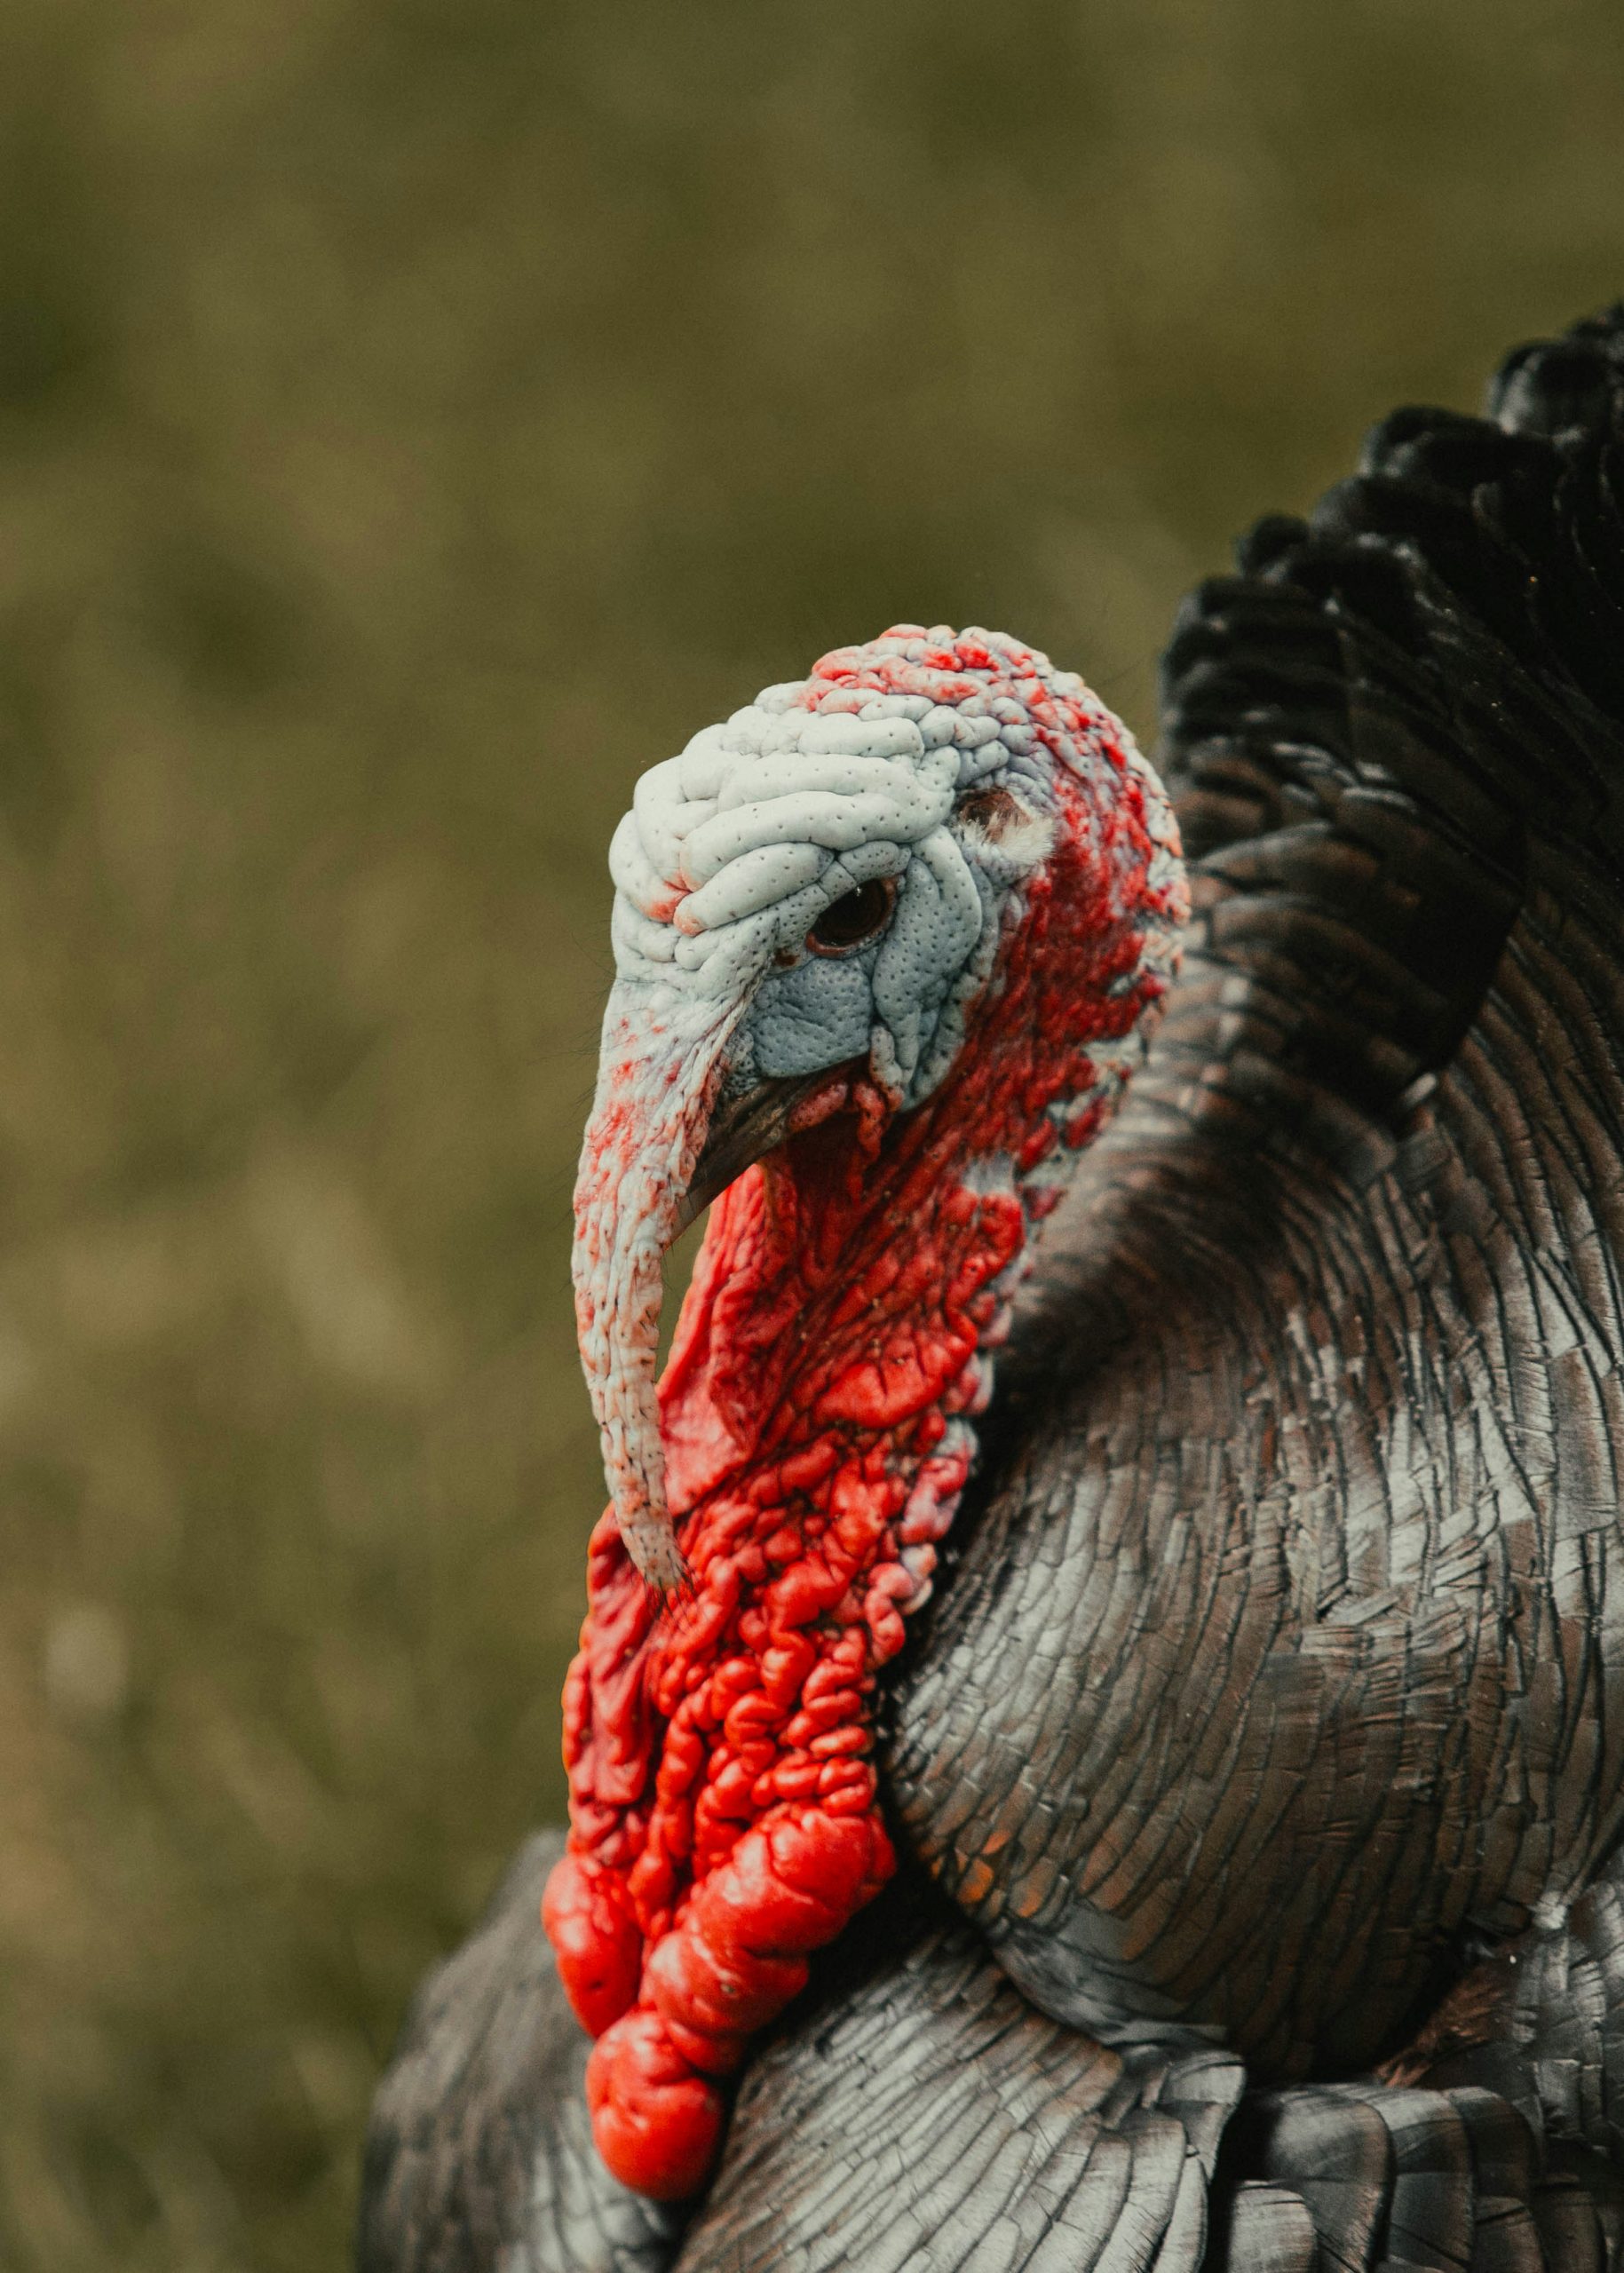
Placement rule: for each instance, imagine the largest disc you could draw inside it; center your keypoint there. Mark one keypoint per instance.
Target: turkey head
(885, 943)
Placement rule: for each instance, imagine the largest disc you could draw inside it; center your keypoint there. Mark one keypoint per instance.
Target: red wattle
(597, 1942)
(724, 1817)
(656, 2124)
(731, 1964)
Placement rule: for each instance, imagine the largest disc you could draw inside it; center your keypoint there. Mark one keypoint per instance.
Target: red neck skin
(815, 1415)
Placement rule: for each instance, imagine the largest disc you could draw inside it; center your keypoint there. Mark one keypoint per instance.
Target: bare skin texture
(1255, 1781)
(940, 852)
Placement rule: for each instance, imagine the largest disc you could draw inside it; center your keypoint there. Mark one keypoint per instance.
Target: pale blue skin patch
(892, 990)
(818, 1015)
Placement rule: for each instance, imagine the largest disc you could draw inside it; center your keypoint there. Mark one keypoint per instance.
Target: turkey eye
(850, 922)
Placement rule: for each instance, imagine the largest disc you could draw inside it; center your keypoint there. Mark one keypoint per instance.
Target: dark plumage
(1276, 1701)
(479, 2142)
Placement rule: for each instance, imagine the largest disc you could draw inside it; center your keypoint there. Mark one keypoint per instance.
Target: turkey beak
(662, 1143)
(744, 1129)
(662, 1065)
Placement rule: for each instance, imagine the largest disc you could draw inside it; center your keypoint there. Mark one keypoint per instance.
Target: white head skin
(806, 885)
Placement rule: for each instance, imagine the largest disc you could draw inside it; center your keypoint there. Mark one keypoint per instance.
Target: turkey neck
(815, 1416)
(840, 1301)
(849, 1289)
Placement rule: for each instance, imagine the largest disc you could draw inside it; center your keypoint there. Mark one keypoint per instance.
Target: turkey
(1099, 1738)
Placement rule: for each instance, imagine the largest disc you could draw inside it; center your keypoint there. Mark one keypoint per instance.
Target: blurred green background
(415, 416)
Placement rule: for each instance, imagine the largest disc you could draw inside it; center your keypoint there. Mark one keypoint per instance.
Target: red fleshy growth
(597, 1941)
(657, 2124)
(724, 1817)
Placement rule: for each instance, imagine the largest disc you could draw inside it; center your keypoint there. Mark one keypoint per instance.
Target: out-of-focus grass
(415, 416)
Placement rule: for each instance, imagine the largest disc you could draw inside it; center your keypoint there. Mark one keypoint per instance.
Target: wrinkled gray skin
(1272, 1727)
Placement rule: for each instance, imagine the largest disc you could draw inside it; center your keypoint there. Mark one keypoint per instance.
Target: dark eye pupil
(857, 917)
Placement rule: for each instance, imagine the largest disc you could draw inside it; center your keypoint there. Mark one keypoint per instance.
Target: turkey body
(1290, 1648)
(1260, 1769)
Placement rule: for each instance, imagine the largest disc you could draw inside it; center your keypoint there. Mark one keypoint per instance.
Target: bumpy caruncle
(787, 1486)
